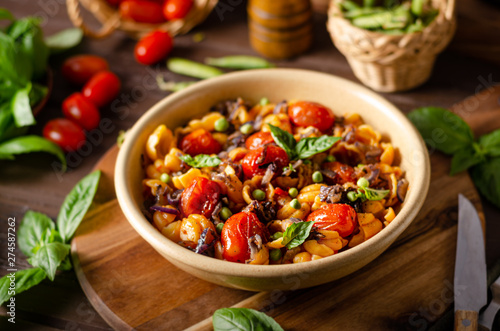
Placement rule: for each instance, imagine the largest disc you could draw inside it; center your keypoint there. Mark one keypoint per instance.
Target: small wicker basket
(390, 63)
(111, 20)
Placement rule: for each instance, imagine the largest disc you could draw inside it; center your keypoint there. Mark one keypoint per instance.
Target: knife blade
(470, 284)
(487, 317)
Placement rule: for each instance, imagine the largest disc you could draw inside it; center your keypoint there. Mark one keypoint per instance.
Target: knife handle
(466, 320)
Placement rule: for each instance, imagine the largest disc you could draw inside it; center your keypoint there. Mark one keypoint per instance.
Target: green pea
(165, 178)
(352, 196)
(246, 128)
(275, 254)
(219, 228)
(277, 235)
(293, 192)
(317, 177)
(295, 204)
(363, 182)
(221, 125)
(259, 195)
(225, 213)
(264, 101)
(330, 158)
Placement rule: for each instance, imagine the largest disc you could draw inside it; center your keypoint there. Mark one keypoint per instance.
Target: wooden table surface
(471, 64)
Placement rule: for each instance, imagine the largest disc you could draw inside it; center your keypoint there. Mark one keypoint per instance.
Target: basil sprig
(47, 244)
(230, 319)
(296, 233)
(305, 148)
(201, 160)
(448, 133)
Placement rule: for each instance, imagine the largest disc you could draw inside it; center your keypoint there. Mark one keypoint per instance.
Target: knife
(487, 317)
(470, 284)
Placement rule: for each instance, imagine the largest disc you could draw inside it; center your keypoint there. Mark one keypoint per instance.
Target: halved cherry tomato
(344, 173)
(141, 11)
(174, 9)
(200, 197)
(200, 141)
(306, 113)
(65, 133)
(81, 111)
(259, 139)
(280, 192)
(153, 47)
(79, 69)
(102, 88)
(235, 233)
(257, 160)
(335, 217)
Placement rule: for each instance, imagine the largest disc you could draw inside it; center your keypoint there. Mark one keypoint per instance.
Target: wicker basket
(111, 20)
(390, 63)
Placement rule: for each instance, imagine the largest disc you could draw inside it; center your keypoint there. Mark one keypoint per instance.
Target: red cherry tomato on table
(235, 233)
(153, 47)
(306, 113)
(63, 132)
(200, 197)
(344, 173)
(174, 9)
(256, 161)
(102, 88)
(141, 11)
(81, 111)
(200, 141)
(335, 217)
(259, 139)
(79, 69)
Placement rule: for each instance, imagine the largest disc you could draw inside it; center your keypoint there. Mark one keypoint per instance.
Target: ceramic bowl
(341, 96)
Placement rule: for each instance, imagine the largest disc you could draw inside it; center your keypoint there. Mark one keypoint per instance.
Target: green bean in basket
(192, 68)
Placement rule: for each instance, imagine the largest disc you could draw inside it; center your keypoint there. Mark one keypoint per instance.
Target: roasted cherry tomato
(81, 111)
(102, 88)
(343, 172)
(259, 139)
(200, 141)
(79, 69)
(142, 11)
(257, 160)
(280, 192)
(153, 47)
(65, 133)
(335, 217)
(174, 9)
(200, 197)
(306, 113)
(235, 233)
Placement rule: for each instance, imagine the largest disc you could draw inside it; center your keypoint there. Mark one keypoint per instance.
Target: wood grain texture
(409, 286)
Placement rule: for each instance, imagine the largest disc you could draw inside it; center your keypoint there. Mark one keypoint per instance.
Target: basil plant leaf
(284, 140)
(464, 159)
(49, 257)
(201, 160)
(490, 143)
(76, 204)
(442, 129)
(33, 226)
(21, 109)
(24, 279)
(373, 194)
(296, 234)
(6, 15)
(487, 179)
(64, 40)
(243, 319)
(308, 147)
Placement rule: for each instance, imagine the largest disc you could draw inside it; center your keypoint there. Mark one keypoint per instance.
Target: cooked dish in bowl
(271, 183)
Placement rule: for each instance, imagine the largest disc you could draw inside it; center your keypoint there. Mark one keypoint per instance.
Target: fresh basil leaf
(21, 109)
(373, 194)
(490, 143)
(38, 92)
(15, 65)
(201, 160)
(308, 147)
(284, 140)
(66, 264)
(31, 230)
(76, 204)
(24, 279)
(64, 40)
(49, 257)
(243, 319)
(487, 179)
(6, 15)
(296, 234)
(28, 144)
(442, 129)
(464, 159)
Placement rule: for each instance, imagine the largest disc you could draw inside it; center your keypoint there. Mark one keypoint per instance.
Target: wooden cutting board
(408, 287)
